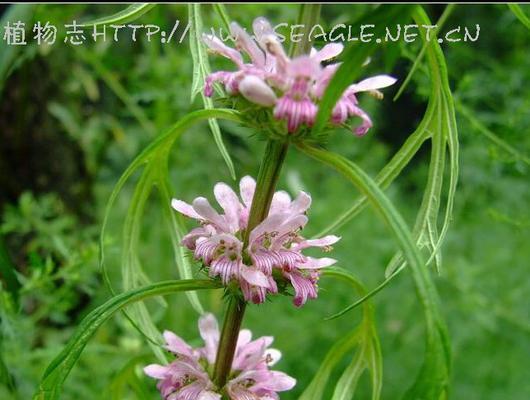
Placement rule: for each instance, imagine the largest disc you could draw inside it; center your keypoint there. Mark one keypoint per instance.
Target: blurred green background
(73, 118)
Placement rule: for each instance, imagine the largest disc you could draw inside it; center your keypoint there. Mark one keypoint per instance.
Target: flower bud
(257, 91)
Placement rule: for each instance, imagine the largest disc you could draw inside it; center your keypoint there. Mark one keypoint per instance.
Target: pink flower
(187, 377)
(347, 105)
(293, 87)
(274, 250)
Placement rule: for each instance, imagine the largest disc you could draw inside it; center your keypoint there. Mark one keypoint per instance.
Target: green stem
(228, 341)
(308, 17)
(268, 175)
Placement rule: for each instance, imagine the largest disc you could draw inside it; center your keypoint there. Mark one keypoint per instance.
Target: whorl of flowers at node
(187, 377)
(274, 252)
(292, 87)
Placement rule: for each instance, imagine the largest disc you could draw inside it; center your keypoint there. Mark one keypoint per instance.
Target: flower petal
(229, 201)
(156, 371)
(251, 354)
(208, 395)
(375, 82)
(191, 238)
(226, 268)
(366, 121)
(301, 203)
(294, 223)
(272, 356)
(185, 209)
(322, 242)
(324, 78)
(269, 224)
(278, 382)
(176, 345)
(217, 46)
(254, 276)
(328, 51)
(262, 27)
(304, 66)
(202, 206)
(255, 294)
(317, 263)
(280, 202)
(245, 42)
(245, 336)
(192, 391)
(247, 187)
(304, 288)
(269, 42)
(209, 330)
(257, 91)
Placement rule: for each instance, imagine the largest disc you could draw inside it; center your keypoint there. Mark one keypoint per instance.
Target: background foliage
(72, 120)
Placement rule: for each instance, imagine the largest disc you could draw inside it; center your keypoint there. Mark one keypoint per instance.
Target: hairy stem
(268, 175)
(228, 341)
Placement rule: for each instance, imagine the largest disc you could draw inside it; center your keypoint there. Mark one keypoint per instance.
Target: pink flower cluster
(293, 87)
(187, 377)
(274, 249)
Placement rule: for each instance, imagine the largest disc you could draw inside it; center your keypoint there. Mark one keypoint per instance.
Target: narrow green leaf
(439, 125)
(448, 129)
(154, 157)
(367, 296)
(425, 230)
(354, 57)
(315, 389)
(389, 172)
(374, 194)
(201, 66)
(367, 355)
(347, 383)
(131, 270)
(131, 13)
(441, 21)
(433, 379)
(374, 361)
(220, 9)
(53, 379)
(176, 229)
(201, 69)
(443, 134)
(165, 140)
(308, 16)
(519, 13)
